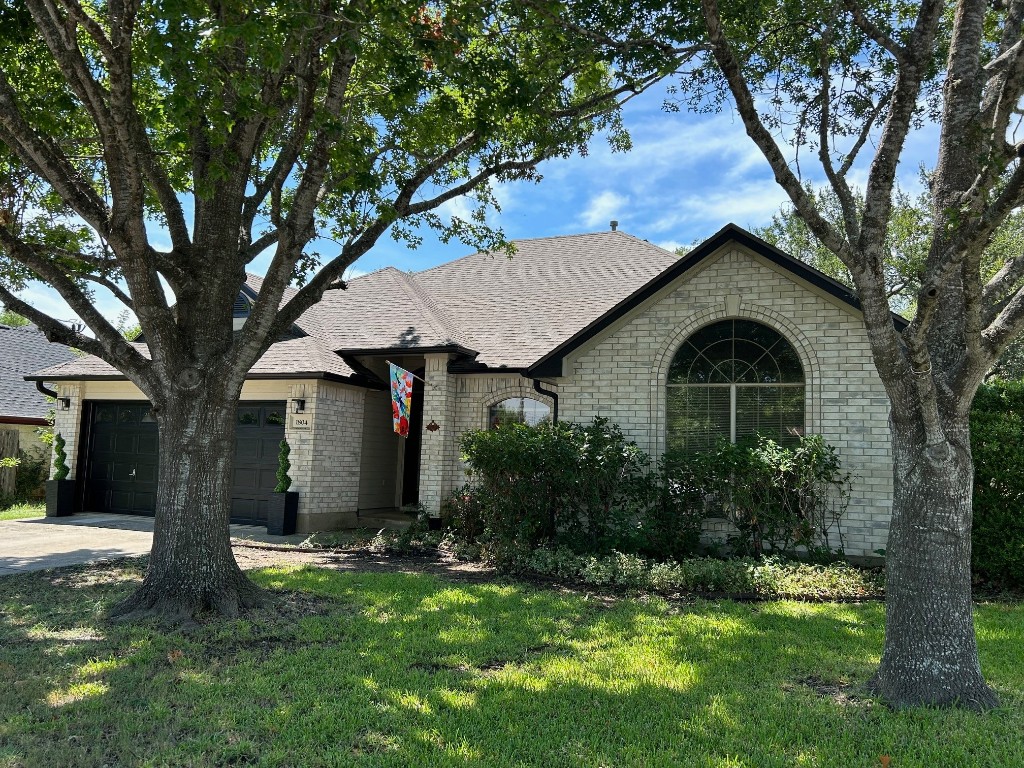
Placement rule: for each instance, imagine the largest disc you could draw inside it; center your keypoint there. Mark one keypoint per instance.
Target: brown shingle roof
(385, 309)
(520, 308)
(512, 311)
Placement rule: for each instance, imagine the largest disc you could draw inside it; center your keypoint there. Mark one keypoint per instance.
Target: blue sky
(686, 176)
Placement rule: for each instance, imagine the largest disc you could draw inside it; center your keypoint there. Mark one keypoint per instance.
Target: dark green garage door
(121, 463)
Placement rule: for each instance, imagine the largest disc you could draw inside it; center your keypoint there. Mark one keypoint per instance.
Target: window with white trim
(731, 380)
(518, 410)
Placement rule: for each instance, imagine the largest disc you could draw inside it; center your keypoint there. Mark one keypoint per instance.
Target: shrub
(284, 464)
(769, 577)
(60, 459)
(583, 486)
(588, 489)
(997, 442)
(778, 498)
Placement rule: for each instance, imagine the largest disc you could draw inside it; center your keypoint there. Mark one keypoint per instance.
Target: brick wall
(325, 458)
(69, 424)
(622, 375)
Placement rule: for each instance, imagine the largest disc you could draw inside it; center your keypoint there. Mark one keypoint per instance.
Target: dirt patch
(252, 556)
(840, 692)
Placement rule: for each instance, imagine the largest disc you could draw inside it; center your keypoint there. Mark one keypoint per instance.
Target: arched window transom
(731, 380)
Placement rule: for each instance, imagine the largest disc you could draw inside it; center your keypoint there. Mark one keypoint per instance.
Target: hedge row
(997, 441)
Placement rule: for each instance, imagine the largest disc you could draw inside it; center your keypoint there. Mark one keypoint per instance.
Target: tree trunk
(931, 654)
(191, 567)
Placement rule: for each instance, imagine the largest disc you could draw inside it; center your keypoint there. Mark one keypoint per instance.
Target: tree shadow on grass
(400, 669)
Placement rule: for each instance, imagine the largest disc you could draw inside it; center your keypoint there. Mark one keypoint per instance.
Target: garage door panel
(247, 448)
(119, 501)
(126, 443)
(245, 478)
(144, 502)
(124, 440)
(146, 474)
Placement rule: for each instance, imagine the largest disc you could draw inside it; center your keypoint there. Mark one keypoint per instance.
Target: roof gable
(551, 363)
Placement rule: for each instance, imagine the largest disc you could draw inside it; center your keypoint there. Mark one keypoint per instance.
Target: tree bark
(930, 655)
(192, 568)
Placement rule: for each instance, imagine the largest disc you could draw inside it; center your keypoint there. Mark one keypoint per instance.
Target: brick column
(437, 455)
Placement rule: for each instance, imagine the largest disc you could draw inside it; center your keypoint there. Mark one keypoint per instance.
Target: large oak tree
(234, 128)
(839, 86)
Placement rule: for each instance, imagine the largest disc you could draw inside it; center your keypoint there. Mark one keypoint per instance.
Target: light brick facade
(622, 375)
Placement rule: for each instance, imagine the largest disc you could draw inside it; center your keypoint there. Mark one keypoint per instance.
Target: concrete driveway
(53, 542)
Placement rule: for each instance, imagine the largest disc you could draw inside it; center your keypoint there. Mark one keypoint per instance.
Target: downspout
(553, 395)
(41, 386)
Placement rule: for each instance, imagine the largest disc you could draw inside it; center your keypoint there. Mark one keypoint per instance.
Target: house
(734, 337)
(23, 408)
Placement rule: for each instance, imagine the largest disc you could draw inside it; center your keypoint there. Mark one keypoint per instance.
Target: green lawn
(365, 669)
(22, 511)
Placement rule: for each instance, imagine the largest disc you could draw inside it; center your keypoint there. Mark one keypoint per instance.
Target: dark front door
(413, 445)
(122, 459)
(258, 435)
(121, 468)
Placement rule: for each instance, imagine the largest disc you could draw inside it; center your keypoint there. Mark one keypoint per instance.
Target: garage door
(121, 464)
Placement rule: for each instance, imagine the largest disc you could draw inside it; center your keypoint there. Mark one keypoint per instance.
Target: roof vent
(615, 224)
(241, 307)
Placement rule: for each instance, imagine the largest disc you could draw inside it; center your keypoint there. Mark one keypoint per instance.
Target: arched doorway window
(517, 410)
(734, 379)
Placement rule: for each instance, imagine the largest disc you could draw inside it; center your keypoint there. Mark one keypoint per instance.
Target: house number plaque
(301, 421)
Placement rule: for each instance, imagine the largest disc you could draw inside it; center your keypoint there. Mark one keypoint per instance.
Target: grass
(23, 510)
(361, 669)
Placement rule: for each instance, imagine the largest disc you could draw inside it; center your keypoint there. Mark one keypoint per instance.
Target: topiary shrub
(997, 442)
(284, 482)
(60, 459)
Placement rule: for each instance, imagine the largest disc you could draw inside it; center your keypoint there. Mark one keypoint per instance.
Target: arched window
(734, 379)
(517, 410)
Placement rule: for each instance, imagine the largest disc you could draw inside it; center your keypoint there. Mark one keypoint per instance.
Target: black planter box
(282, 513)
(60, 498)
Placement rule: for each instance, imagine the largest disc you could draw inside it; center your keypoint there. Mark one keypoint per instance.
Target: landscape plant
(590, 490)
(284, 464)
(997, 442)
(60, 458)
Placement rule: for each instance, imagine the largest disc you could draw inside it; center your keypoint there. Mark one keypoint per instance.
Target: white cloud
(603, 208)
(749, 205)
(670, 245)
(457, 207)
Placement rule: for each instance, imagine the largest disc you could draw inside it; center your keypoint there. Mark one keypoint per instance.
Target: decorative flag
(401, 398)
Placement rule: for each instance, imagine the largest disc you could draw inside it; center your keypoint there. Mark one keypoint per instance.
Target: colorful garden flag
(401, 398)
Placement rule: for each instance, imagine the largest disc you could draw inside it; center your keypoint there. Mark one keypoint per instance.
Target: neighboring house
(23, 408)
(733, 338)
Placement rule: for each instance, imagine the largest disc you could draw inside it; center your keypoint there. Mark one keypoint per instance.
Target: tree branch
(876, 33)
(49, 162)
(114, 346)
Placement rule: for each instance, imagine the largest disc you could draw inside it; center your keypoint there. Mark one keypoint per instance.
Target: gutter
(553, 395)
(41, 386)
